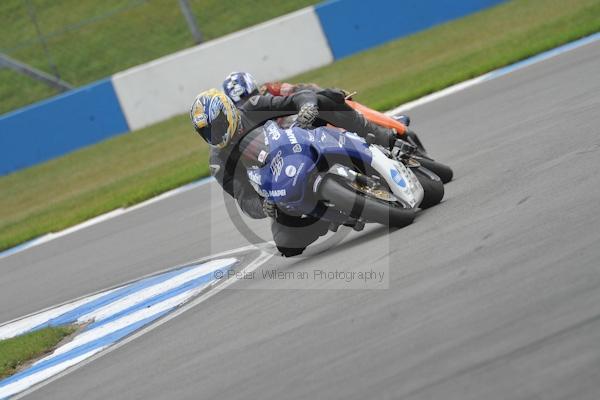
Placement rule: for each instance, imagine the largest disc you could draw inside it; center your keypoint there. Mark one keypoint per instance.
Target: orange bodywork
(286, 89)
(377, 117)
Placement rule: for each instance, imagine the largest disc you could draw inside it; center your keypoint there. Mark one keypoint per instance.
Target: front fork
(401, 180)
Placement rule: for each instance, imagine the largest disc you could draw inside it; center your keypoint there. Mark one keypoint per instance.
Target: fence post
(33, 16)
(186, 10)
(6, 61)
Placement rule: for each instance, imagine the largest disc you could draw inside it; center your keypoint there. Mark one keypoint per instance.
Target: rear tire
(443, 171)
(357, 205)
(432, 186)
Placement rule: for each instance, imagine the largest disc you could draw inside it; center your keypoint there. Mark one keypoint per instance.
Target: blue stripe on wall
(355, 25)
(59, 125)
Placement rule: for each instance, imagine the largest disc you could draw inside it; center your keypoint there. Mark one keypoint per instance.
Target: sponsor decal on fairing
(397, 178)
(291, 136)
(277, 193)
(273, 132)
(254, 176)
(297, 174)
(262, 156)
(290, 171)
(277, 165)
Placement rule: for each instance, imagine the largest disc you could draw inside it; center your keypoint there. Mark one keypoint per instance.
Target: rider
(230, 131)
(240, 86)
(331, 107)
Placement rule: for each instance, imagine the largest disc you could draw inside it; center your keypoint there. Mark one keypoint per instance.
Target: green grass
(89, 40)
(117, 172)
(132, 167)
(432, 60)
(18, 351)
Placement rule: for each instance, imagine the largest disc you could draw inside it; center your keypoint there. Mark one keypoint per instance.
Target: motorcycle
(399, 123)
(340, 177)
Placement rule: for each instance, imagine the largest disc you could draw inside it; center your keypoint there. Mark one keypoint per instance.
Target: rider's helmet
(239, 86)
(215, 117)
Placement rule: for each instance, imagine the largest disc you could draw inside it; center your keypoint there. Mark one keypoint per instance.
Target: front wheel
(361, 206)
(432, 186)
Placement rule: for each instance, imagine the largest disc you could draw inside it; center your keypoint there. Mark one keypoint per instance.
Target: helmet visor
(216, 132)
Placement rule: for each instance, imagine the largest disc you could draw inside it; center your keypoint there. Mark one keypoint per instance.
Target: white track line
(118, 304)
(176, 291)
(129, 319)
(151, 291)
(72, 304)
(24, 324)
(261, 259)
(47, 373)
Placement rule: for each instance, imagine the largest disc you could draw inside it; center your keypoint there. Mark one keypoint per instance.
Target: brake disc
(377, 192)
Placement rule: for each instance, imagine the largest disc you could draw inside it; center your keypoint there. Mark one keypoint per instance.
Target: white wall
(276, 49)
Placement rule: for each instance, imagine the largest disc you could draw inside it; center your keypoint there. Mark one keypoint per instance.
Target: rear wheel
(365, 207)
(443, 171)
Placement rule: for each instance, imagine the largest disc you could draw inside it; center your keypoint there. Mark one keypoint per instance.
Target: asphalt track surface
(493, 294)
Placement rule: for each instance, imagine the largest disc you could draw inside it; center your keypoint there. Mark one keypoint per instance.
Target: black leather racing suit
(227, 168)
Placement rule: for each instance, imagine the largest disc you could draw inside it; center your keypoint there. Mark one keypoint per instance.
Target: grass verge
(89, 40)
(424, 63)
(114, 173)
(133, 167)
(18, 351)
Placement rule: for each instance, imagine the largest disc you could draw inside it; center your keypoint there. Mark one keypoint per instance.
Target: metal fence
(48, 46)
(60, 42)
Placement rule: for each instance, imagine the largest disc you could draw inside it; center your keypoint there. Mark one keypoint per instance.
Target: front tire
(432, 186)
(358, 205)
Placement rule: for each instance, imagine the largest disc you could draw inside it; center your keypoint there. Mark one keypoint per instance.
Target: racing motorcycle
(399, 123)
(339, 176)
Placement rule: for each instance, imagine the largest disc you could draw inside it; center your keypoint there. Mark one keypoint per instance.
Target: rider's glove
(269, 208)
(347, 94)
(307, 115)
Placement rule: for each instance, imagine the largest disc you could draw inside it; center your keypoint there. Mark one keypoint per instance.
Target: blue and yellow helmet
(215, 117)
